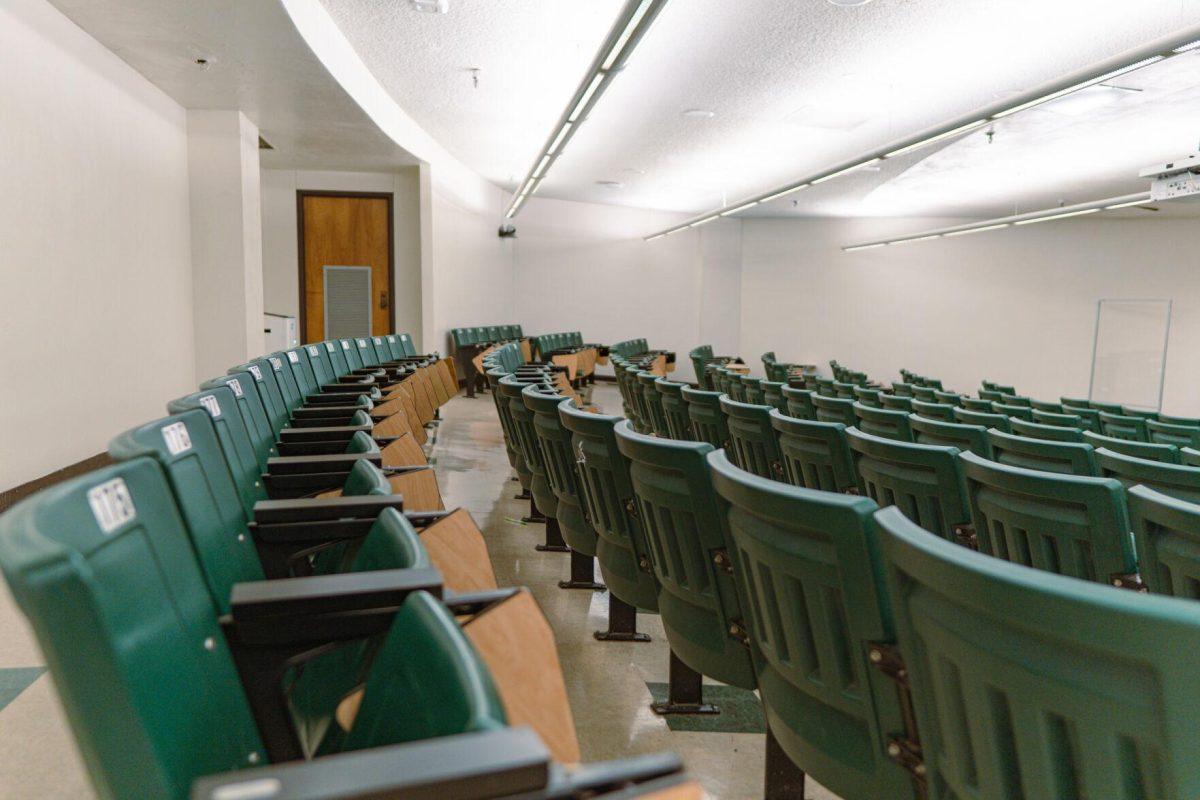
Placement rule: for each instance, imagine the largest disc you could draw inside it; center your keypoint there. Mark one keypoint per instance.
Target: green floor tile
(740, 711)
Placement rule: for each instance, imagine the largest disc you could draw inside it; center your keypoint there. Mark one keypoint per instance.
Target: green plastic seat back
(924, 481)
(1068, 524)
(1066, 458)
(1166, 532)
(940, 411)
(902, 389)
(753, 445)
(815, 454)
(1170, 419)
(976, 404)
(426, 681)
(296, 361)
(947, 398)
(1168, 433)
(407, 345)
(527, 444)
(1016, 400)
(700, 357)
(834, 409)
(825, 387)
(1055, 433)
(1120, 426)
(652, 403)
(1189, 456)
(807, 562)
(351, 354)
(987, 420)
(1177, 480)
(896, 402)
(366, 353)
(992, 395)
(1046, 405)
(1058, 420)
(607, 493)
(752, 390)
(773, 395)
(254, 416)
(1075, 402)
(286, 381)
(708, 420)
(867, 396)
(269, 394)
(843, 391)
(1014, 412)
(951, 434)
(1021, 688)
(924, 394)
(1090, 417)
(105, 573)
(323, 369)
(234, 438)
(883, 422)
(674, 409)
(799, 403)
(555, 441)
(187, 451)
(1166, 453)
(1107, 408)
(637, 400)
(684, 532)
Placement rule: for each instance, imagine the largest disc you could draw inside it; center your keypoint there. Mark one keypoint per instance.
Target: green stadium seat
(947, 398)
(652, 403)
(925, 394)
(951, 434)
(1023, 683)
(992, 395)
(752, 389)
(1046, 405)
(1168, 433)
(924, 481)
(1177, 480)
(942, 411)
(1107, 408)
(807, 564)
(976, 404)
(1119, 426)
(834, 409)
(1169, 419)
(1064, 457)
(708, 420)
(1166, 453)
(1056, 433)
(815, 454)
(543, 502)
(1074, 402)
(1016, 400)
(883, 422)
(902, 389)
(843, 390)
(896, 402)
(1090, 417)
(799, 403)
(1058, 420)
(867, 396)
(1166, 532)
(1144, 413)
(674, 409)
(691, 558)
(987, 420)
(773, 395)
(1068, 524)
(753, 443)
(1013, 412)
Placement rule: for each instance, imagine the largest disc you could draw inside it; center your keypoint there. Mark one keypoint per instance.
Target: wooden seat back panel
(457, 548)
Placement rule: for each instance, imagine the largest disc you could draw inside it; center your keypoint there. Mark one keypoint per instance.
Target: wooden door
(344, 229)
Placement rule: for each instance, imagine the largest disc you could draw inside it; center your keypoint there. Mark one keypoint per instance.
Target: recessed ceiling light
(700, 113)
(611, 184)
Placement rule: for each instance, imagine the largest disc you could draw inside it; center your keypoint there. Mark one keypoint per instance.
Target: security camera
(507, 232)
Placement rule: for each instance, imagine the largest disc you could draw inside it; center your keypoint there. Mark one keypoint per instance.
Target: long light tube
(1184, 41)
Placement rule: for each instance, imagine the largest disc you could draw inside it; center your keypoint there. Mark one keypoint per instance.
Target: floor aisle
(607, 681)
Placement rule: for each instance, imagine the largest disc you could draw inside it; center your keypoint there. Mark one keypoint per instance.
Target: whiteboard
(1129, 355)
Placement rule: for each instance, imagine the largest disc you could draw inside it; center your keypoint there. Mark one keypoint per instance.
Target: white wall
(1016, 306)
(281, 281)
(95, 270)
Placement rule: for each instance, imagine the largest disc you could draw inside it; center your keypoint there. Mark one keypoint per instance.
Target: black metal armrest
(337, 398)
(322, 429)
(471, 766)
(275, 602)
(343, 389)
(275, 512)
(336, 462)
(605, 776)
(306, 448)
(423, 519)
(338, 411)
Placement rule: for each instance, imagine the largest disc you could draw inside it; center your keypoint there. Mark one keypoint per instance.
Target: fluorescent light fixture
(938, 138)
(863, 247)
(787, 191)
(528, 185)
(1058, 216)
(657, 236)
(630, 27)
(512, 210)
(558, 140)
(742, 207)
(847, 170)
(704, 221)
(1108, 76)
(1130, 204)
(597, 79)
(1187, 48)
(917, 239)
(541, 167)
(978, 230)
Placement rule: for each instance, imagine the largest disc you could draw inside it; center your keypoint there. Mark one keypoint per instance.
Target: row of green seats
(548, 343)
(484, 335)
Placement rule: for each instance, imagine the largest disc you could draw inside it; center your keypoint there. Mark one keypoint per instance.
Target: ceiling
(257, 62)
(795, 86)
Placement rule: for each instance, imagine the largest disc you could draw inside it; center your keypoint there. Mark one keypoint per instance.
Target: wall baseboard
(9, 497)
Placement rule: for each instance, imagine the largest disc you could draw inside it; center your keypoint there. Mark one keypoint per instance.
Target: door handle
(383, 299)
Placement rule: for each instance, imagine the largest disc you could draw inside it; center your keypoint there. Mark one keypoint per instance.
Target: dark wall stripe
(10, 496)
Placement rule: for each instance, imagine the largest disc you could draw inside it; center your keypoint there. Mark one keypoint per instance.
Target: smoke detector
(430, 6)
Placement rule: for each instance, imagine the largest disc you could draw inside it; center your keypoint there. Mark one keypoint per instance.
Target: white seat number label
(177, 439)
(112, 505)
(292, 357)
(236, 385)
(210, 403)
(256, 372)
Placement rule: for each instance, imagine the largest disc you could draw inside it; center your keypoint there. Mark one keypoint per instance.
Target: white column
(226, 214)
